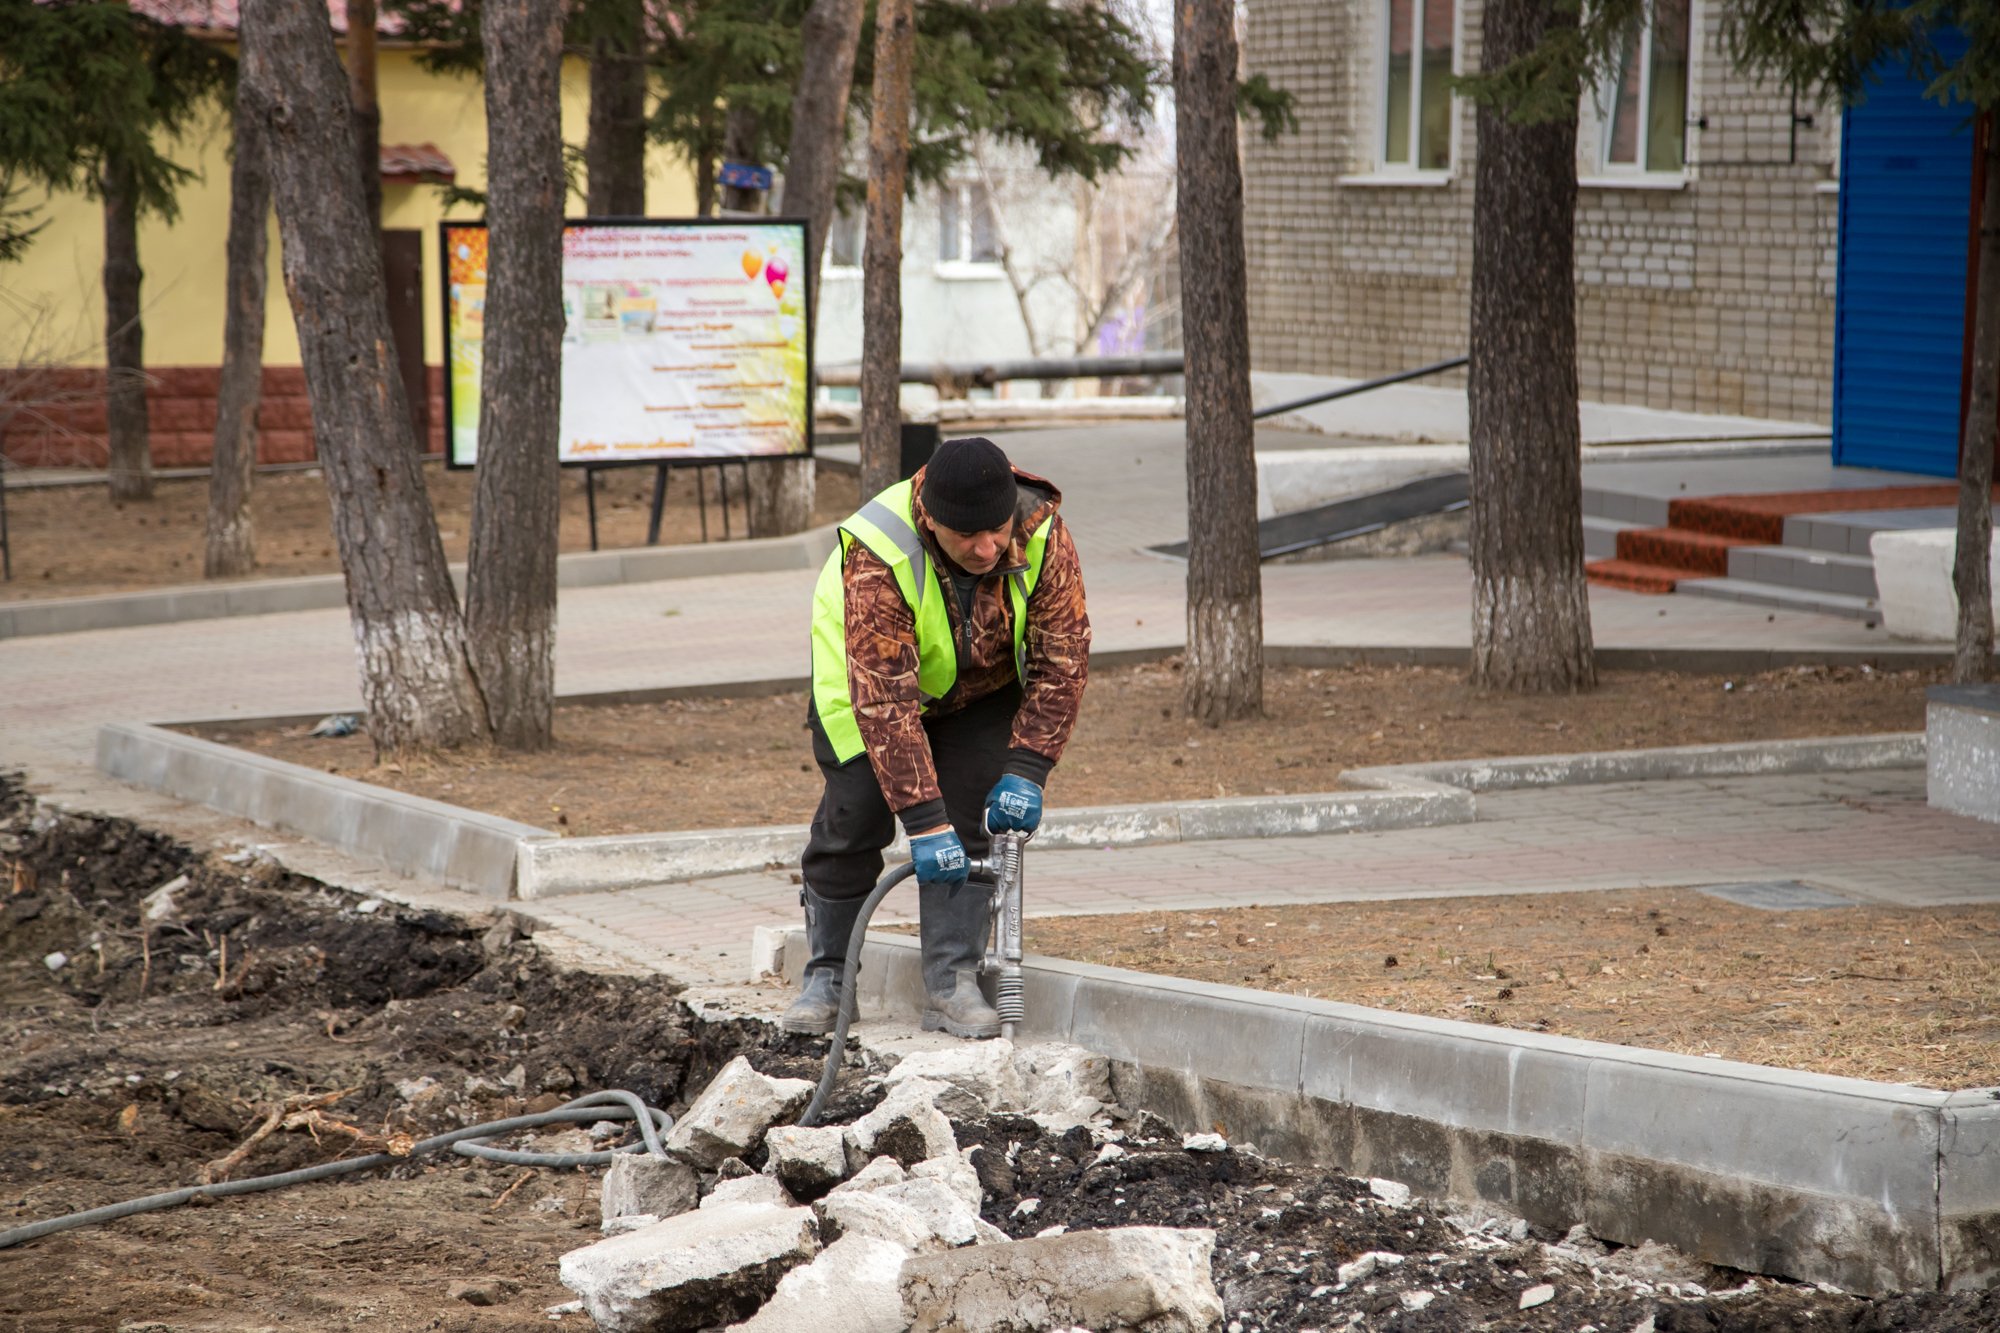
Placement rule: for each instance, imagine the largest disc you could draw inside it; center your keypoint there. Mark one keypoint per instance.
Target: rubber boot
(829, 923)
(954, 928)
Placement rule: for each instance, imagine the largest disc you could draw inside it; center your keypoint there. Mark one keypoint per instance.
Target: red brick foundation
(67, 428)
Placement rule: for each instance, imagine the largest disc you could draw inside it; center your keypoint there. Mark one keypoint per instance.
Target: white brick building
(1704, 228)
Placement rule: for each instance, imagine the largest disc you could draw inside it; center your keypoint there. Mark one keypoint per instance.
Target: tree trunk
(510, 600)
(1530, 603)
(1224, 678)
(830, 39)
(704, 167)
(232, 547)
(614, 154)
(1972, 570)
(362, 93)
(131, 462)
(882, 259)
(739, 144)
(416, 675)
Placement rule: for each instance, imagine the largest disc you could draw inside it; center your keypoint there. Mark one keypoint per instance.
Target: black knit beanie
(969, 485)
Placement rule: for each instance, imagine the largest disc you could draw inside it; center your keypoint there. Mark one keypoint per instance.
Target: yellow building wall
(185, 263)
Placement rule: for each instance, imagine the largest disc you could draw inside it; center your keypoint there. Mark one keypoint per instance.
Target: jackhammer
(1006, 871)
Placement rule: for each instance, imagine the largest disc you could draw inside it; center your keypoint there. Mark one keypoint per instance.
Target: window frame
(1603, 172)
(834, 266)
(1379, 163)
(961, 189)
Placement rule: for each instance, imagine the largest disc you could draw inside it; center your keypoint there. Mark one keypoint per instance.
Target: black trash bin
(920, 441)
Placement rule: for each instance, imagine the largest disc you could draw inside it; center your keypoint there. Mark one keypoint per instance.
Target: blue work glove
(1013, 806)
(940, 858)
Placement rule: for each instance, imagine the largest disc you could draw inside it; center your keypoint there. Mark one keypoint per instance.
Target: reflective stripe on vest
(886, 525)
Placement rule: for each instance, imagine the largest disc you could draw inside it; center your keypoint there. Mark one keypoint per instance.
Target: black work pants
(843, 856)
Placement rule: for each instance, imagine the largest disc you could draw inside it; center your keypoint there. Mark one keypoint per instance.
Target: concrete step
(1645, 511)
(1600, 536)
(1837, 534)
(1813, 571)
(1695, 554)
(1863, 609)
(1633, 576)
(1848, 533)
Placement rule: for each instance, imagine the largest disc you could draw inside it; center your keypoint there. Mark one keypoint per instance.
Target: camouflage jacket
(882, 656)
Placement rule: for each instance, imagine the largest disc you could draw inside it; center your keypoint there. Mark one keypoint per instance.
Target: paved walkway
(1866, 834)
(1124, 488)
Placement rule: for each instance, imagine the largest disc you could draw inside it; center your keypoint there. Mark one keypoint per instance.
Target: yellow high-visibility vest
(887, 526)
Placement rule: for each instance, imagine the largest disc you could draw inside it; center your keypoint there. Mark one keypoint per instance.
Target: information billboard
(683, 340)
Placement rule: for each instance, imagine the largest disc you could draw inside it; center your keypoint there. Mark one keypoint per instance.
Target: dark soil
(121, 1077)
(1282, 1233)
(151, 1051)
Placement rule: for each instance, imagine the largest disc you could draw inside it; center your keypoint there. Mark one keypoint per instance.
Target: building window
(965, 225)
(1645, 121)
(1416, 107)
(843, 242)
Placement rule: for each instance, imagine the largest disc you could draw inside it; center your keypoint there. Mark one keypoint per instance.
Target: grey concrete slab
(1815, 571)
(459, 847)
(1600, 536)
(1837, 1174)
(1742, 474)
(1786, 596)
(1962, 731)
(1876, 1187)
(1830, 754)
(1968, 1188)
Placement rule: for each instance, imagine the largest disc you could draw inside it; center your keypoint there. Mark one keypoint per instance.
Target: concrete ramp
(1356, 516)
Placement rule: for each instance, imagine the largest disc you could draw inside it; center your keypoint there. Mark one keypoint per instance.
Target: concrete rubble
(764, 1190)
(733, 1112)
(809, 1161)
(690, 1272)
(640, 1184)
(1151, 1278)
(907, 1126)
(888, 1187)
(854, 1286)
(877, 1226)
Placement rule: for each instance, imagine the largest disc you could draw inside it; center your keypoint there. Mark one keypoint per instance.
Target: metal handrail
(1435, 368)
(986, 374)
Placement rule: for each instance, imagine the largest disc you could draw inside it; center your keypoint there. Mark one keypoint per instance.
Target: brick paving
(1867, 834)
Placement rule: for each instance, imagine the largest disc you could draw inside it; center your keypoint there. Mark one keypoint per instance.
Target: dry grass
(1891, 994)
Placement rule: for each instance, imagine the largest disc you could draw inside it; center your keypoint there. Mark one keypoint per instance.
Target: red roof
(415, 164)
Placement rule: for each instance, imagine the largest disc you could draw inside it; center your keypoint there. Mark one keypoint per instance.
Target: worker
(949, 652)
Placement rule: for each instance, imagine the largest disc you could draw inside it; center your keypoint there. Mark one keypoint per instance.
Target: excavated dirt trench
(152, 1048)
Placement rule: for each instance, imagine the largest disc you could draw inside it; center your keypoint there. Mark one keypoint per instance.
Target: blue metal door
(1899, 302)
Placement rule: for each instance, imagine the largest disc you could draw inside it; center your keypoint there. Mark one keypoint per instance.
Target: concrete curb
(463, 848)
(1874, 1187)
(589, 865)
(1748, 759)
(584, 569)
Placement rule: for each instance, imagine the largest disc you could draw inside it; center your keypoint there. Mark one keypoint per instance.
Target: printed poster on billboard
(683, 341)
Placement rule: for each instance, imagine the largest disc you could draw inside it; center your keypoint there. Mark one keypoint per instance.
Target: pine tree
(89, 91)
